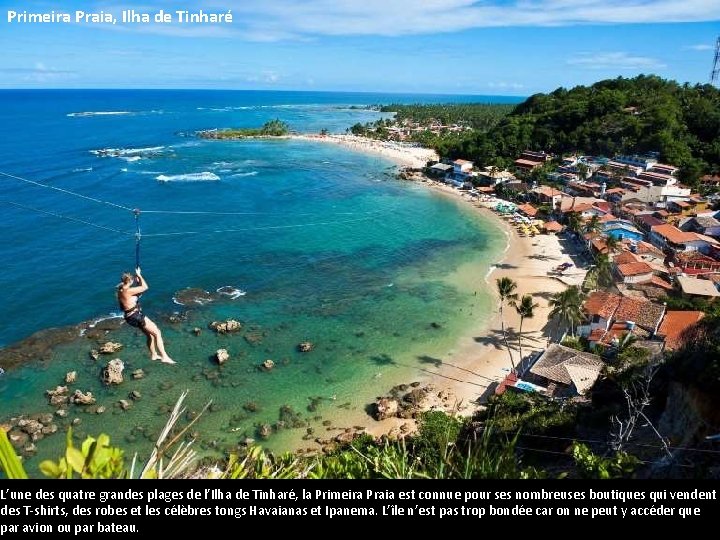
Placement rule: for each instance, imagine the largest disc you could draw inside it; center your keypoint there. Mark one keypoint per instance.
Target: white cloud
(399, 17)
(699, 47)
(505, 85)
(266, 77)
(614, 60)
(40, 73)
(264, 20)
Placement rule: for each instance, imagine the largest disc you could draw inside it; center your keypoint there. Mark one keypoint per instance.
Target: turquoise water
(326, 245)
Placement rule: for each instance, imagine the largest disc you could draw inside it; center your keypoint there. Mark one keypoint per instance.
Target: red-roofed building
(528, 209)
(643, 313)
(694, 263)
(634, 272)
(552, 227)
(675, 324)
(625, 257)
(669, 237)
(599, 308)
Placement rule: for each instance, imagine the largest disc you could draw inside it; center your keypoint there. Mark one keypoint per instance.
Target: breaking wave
(97, 113)
(191, 177)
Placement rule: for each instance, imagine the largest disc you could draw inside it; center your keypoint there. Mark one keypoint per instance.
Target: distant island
(273, 128)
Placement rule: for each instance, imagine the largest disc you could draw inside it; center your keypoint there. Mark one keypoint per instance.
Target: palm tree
(525, 308)
(593, 225)
(612, 243)
(603, 271)
(506, 290)
(574, 223)
(566, 306)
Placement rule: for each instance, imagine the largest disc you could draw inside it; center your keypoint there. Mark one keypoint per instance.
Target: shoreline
(404, 155)
(467, 371)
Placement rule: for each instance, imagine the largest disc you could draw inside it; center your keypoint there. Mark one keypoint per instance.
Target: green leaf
(86, 447)
(9, 460)
(50, 468)
(75, 459)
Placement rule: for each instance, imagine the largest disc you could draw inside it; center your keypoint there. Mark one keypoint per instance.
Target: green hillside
(642, 114)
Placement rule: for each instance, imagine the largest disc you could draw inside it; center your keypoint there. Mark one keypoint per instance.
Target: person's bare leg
(159, 343)
(152, 346)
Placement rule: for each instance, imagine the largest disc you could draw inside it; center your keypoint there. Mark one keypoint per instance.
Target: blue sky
(510, 47)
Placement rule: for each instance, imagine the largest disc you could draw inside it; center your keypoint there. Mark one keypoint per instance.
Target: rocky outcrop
(268, 364)
(70, 377)
(690, 415)
(222, 356)
(226, 327)
(110, 348)
(385, 408)
(78, 398)
(58, 396)
(113, 372)
(124, 404)
(138, 374)
(305, 346)
(135, 395)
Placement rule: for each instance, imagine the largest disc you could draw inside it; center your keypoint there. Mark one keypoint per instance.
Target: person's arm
(142, 287)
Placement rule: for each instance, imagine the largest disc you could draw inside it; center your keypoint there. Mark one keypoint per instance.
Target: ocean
(299, 241)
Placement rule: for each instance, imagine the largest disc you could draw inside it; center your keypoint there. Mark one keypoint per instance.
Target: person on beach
(128, 294)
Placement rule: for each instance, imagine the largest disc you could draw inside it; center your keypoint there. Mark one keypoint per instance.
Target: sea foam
(190, 177)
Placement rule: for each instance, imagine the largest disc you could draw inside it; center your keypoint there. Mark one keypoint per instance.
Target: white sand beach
(468, 373)
(403, 154)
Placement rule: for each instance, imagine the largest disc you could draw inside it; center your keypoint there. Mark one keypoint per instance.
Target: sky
(495, 47)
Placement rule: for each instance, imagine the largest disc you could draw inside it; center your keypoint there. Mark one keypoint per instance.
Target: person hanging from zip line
(128, 294)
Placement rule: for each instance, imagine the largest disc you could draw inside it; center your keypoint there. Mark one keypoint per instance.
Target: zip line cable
(69, 218)
(248, 229)
(283, 214)
(66, 191)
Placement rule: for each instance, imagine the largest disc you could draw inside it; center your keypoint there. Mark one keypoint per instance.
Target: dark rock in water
(110, 348)
(100, 410)
(385, 408)
(190, 296)
(415, 384)
(314, 402)
(435, 325)
(251, 406)
(247, 441)
(165, 385)
(113, 372)
(254, 338)
(38, 346)
(305, 346)
(226, 327)
(62, 413)
(264, 431)
(76, 421)
(222, 356)
(124, 404)
(138, 374)
(197, 331)
(49, 430)
(78, 398)
(326, 423)
(94, 354)
(18, 438)
(134, 395)
(267, 365)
